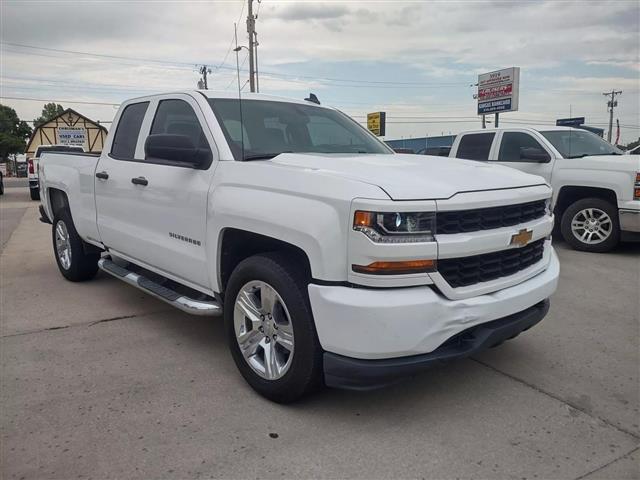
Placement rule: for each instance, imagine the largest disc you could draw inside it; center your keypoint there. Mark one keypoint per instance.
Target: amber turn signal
(396, 268)
(363, 219)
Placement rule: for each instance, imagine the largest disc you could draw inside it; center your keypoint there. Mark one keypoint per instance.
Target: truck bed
(73, 174)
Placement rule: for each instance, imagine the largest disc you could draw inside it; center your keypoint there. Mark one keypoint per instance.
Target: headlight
(547, 206)
(396, 227)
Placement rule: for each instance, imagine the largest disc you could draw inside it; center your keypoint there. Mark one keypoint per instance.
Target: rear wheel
(591, 225)
(270, 328)
(35, 193)
(74, 262)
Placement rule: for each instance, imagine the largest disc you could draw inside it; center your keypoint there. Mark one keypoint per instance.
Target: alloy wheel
(591, 226)
(263, 329)
(63, 245)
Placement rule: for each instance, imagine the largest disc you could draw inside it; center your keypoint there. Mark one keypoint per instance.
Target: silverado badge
(521, 238)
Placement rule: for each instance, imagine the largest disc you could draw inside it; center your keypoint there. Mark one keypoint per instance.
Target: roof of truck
(537, 128)
(244, 96)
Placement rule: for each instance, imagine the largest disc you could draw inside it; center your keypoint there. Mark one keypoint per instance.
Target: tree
(49, 111)
(13, 133)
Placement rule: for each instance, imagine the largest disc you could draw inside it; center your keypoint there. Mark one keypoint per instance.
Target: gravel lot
(99, 380)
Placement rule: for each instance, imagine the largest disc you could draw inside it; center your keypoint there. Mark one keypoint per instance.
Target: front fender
(317, 226)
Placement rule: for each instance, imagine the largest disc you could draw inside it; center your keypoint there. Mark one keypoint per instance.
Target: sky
(415, 60)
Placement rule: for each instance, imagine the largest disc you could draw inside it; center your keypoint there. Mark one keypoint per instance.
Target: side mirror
(176, 149)
(535, 155)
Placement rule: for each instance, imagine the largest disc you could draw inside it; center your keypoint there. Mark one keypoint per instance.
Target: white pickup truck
(334, 260)
(596, 188)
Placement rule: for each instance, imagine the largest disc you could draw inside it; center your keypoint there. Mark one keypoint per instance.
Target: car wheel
(270, 328)
(591, 225)
(74, 262)
(1, 184)
(35, 193)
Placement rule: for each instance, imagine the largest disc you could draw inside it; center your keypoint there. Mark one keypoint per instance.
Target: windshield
(579, 143)
(270, 128)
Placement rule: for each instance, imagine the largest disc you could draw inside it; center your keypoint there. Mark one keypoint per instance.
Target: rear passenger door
(150, 211)
(521, 150)
(475, 146)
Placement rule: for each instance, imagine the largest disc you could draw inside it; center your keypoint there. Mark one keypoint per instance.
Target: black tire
(605, 245)
(1, 184)
(35, 193)
(304, 374)
(83, 266)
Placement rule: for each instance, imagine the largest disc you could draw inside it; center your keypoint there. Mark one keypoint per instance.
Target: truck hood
(413, 177)
(617, 163)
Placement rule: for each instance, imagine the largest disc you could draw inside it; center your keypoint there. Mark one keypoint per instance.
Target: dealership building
(68, 128)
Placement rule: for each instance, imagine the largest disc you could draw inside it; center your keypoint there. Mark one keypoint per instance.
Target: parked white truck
(596, 189)
(334, 260)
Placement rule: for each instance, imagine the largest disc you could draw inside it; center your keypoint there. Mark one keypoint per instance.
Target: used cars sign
(71, 136)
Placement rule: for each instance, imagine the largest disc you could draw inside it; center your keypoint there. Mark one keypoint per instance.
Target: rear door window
(475, 146)
(128, 130)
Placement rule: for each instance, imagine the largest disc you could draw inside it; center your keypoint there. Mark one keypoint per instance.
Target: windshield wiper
(593, 154)
(262, 156)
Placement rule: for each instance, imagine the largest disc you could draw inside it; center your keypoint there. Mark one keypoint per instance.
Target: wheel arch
(58, 201)
(235, 245)
(569, 194)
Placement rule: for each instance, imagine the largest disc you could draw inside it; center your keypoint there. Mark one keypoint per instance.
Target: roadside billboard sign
(72, 136)
(498, 91)
(376, 123)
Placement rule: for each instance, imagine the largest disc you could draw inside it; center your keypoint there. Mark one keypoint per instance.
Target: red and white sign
(498, 91)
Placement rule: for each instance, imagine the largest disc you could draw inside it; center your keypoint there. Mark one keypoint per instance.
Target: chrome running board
(178, 300)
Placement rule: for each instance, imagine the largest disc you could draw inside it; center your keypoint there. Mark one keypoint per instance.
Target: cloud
(305, 12)
(558, 45)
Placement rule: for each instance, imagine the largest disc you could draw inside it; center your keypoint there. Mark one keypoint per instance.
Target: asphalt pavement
(99, 380)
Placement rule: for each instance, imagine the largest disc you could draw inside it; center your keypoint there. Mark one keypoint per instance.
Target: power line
(226, 55)
(192, 65)
(60, 101)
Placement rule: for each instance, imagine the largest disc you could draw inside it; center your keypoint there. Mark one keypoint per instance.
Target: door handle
(102, 175)
(139, 181)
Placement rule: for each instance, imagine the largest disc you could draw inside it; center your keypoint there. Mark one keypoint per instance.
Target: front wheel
(74, 262)
(270, 328)
(591, 225)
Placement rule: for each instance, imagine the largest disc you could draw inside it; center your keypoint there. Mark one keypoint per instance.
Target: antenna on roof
(313, 98)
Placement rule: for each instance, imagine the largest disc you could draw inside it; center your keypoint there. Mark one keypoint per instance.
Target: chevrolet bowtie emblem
(522, 237)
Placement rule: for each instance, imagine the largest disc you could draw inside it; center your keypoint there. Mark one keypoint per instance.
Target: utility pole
(251, 30)
(611, 104)
(204, 70)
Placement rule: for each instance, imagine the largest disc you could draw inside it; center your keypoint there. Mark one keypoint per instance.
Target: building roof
(66, 112)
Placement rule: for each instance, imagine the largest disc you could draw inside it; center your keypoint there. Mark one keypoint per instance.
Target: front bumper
(629, 220)
(357, 374)
(369, 323)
